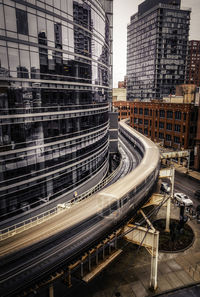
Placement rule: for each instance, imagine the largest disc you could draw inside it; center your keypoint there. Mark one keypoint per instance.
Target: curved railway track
(84, 224)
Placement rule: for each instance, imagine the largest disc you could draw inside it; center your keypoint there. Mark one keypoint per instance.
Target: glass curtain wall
(55, 74)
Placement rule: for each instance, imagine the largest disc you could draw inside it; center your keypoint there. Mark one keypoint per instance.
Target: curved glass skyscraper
(55, 73)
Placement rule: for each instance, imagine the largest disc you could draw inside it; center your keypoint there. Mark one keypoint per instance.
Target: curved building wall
(54, 90)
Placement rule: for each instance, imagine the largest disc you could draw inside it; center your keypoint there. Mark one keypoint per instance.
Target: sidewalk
(131, 273)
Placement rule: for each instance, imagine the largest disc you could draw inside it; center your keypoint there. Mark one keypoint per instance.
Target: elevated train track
(60, 240)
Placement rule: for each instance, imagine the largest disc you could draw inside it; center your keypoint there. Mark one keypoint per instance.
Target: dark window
(169, 126)
(140, 110)
(177, 128)
(178, 115)
(162, 113)
(161, 125)
(22, 22)
(146, 122)
(146, 111)
(161, 135)
(169, 114)
(140, 121)
(176, 139)
(168, 137)
(135, 110)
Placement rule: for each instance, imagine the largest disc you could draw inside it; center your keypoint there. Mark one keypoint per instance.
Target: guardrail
(38, 219)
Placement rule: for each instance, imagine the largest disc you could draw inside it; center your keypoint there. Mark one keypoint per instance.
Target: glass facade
(157, 49)
(55, 86)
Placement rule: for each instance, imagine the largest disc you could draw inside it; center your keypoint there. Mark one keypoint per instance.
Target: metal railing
(42, 217)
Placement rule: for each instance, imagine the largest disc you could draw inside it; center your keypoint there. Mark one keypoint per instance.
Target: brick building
(173, 124)
(122, 84)
(197, 145)
(193, 63)
(123, 109)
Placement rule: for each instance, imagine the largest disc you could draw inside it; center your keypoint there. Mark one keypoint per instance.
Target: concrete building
(119, 94)
(55, 85)
(156, 49)
(193, 63)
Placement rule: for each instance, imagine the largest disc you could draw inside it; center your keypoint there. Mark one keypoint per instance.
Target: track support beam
(148, 238)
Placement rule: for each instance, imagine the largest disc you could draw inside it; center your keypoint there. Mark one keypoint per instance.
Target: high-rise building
(157, 49)
(193, 63)
(55, 85)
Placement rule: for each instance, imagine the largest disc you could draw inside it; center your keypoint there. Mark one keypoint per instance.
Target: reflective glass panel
(10, 18)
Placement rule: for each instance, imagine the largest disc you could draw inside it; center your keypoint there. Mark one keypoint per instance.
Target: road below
(186, 185)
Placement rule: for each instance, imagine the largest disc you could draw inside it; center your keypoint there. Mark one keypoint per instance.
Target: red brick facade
(193, 63)
(173, 124)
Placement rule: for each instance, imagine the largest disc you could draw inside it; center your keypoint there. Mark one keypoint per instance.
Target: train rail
(83, 224)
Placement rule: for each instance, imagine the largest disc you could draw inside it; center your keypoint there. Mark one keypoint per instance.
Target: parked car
(197, 194)
(165, 187)
(183, 199)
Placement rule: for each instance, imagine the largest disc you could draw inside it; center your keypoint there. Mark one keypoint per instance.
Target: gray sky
(123, 9)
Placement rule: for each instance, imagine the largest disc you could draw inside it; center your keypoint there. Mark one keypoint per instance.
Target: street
(186, 185)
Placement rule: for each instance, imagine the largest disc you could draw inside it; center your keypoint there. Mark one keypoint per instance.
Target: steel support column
(154, 261)
(51, 293)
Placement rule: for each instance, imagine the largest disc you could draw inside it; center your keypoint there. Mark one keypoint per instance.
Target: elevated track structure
(50, 247)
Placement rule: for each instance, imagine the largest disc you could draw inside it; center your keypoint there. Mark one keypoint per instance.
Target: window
(135, 110)
(10, 18)
(168, 137)
(178, 115)
(146, 111)
(161, 125)
(140, 110)
(22, 21)
(145, 131)
(169, 126)
(162, 113)
(177, 128)
(140, 121)
(161, 135)
(146, 122)
(170, 114)
(176, 139)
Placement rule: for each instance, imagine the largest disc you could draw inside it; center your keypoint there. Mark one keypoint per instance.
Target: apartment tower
(157, 49)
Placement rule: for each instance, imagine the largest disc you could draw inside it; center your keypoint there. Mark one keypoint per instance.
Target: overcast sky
(123, 10)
